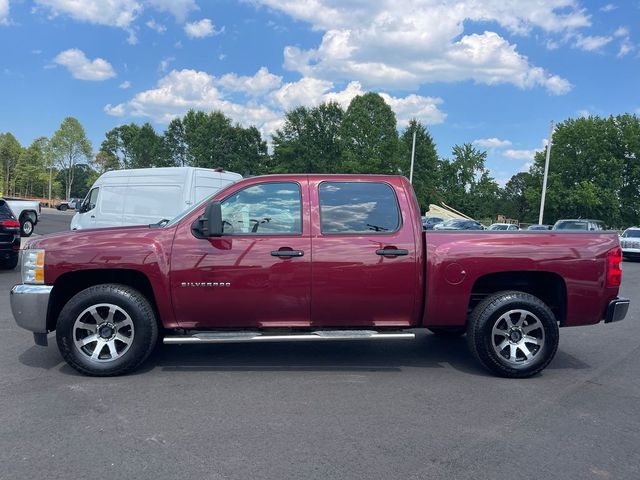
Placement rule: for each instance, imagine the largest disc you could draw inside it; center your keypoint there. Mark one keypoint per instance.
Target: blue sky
(493, 72)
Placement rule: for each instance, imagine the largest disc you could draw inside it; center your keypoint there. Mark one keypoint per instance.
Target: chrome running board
(257, 337)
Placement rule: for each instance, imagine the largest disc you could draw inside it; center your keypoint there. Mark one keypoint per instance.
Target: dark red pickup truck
(313, 258)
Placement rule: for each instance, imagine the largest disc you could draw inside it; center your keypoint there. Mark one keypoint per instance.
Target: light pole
(413, 154)
(546, 173)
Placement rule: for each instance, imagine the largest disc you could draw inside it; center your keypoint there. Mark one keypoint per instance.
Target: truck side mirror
(210, 223)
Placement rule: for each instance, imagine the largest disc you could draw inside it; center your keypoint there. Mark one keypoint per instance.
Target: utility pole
(413, 154)
(546, 173)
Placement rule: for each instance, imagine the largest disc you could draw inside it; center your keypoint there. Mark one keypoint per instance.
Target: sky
(490, 72)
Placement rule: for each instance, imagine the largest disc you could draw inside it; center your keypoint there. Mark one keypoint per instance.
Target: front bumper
(616, 310)
(29, 304)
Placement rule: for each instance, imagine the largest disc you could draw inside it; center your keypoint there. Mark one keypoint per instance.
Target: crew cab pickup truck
(313, 258)
(27, 212)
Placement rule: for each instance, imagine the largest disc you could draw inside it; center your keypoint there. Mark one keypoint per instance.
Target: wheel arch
(547, 286)
(71, 283)
(31, 214)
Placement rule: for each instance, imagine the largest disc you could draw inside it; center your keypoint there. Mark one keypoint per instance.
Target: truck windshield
(571, 226)
(631, 234)
(193, 207)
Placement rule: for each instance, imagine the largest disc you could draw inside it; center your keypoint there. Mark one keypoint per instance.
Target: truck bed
(568, 269)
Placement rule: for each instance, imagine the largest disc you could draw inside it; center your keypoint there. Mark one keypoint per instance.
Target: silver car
(630, 243)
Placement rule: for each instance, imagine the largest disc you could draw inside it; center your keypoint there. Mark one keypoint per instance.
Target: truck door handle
(392, 252)
(287, 253)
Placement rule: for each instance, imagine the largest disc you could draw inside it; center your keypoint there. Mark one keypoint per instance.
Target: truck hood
(95, 236)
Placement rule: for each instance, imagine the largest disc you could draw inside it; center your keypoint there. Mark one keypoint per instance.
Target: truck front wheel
(106, 330)
(26, 227)
(513, 334)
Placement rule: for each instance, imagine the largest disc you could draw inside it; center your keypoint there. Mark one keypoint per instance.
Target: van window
(164, 201)
(263, 209)
(112, 200)
(90, 200)
(358, 207)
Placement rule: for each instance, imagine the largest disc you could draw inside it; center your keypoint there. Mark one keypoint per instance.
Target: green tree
(249, 155)
(31, 171)
(309, 141)
(426, 175)
(593, 167)
(69, 146)
(208, 139)
(10, 151)
(466, 184)
(369, 136)
(513, 199)
(175, 142)
(83, 178)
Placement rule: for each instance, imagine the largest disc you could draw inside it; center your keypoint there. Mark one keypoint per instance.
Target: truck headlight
(33, 266)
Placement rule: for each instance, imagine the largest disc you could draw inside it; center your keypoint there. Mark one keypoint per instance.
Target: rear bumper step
(257, 337)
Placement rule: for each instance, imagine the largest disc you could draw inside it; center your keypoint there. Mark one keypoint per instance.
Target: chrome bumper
(617, 310)
(29, 304)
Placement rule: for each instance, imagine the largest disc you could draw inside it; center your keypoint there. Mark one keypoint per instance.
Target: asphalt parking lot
(384, 410)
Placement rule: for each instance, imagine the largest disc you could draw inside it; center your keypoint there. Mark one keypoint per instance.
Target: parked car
(503, 226)
(312, 258)
(579, 224)
(539, 226)
(630, 243)
(27, 212)
(429, 222)
(459, 224)
(147, 195)
(73, 203)
(9, 237)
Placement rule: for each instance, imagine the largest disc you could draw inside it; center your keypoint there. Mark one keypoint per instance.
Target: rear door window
(358, 207)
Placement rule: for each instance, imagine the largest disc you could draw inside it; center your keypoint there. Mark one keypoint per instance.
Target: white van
(147, 195)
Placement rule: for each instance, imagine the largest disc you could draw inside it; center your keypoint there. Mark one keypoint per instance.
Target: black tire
(26, 227)
(9, 263)
(448, 331)
(63, 207)
(144, 330)
(493, 312)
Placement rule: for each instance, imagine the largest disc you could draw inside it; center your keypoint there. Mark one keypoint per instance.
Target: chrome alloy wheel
(103, 332)
(518, 337)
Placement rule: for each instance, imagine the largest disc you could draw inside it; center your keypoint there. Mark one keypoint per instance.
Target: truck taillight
(614, 272)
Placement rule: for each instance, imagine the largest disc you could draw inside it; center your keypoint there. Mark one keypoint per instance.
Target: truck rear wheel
(513, 334)
(106, 330)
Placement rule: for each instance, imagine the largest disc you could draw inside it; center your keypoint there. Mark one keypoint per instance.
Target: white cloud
(114, 13)
(260, 83)
(201, 29)
(520, 154)
(492, 142)
(4, 12)
(379, 45)
(116, 111)
(180, 9)
(124, 85)
(591, 43)
(181, 90)
(609, 7)
(584, 112)
(621, 32)
(626, 47)
(158, 27)
(165, 63)
(82, 68)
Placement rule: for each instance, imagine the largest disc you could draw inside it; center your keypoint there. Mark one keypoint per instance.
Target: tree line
(594, 172)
